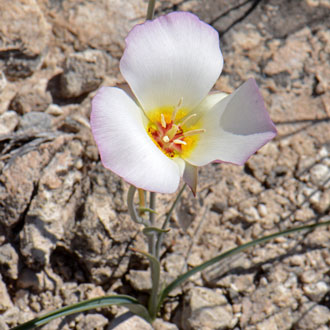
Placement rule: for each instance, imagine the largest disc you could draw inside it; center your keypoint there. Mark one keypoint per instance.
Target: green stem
(151, 9)
(151, 238)
(154, 267)
(167, 219)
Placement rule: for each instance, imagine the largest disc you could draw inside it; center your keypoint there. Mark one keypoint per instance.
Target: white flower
(171, 64)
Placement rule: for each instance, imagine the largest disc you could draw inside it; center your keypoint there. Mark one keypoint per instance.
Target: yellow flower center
(174, 130)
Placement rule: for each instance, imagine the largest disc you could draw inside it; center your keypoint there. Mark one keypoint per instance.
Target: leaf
(131, 303)
(230, 253)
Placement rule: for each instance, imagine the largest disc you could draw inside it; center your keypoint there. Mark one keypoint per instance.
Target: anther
(166, 139)
(177, 141)
(162, 120)
(194, 132)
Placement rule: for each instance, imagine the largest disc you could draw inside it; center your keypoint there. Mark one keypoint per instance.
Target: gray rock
(139, 279)
(207, 309)
(19, 178)
(32, 96)
(92, 322)
(36, 121)
(51, 214)
(22, 48)
(133, 322)
(5, 301)
(8, 261)
(83, 72)
(313, 317)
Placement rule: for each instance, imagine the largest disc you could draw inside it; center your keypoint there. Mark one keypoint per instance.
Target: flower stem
(154, 267)
(150, 10)
(167, 219)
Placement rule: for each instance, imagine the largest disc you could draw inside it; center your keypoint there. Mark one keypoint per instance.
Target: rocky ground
(64, 230)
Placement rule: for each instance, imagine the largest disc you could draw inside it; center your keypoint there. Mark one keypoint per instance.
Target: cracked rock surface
(65, 234)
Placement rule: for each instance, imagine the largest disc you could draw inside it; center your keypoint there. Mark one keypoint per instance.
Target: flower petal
(173, 57)
(236, 127)
(125, 146)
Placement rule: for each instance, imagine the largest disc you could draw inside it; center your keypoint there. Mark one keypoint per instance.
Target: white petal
(236, 127)
(175, 56)
(125, 146)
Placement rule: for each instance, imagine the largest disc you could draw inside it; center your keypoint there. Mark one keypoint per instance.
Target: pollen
(174, 130)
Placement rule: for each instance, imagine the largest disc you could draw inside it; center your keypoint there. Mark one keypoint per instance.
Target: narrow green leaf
(131, 303)
(230, 253)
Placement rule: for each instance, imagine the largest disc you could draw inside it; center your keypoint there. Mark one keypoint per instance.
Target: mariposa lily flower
(174, 125)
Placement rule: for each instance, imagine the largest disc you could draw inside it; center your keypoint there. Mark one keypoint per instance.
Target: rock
(133, 322)
(32, 96)
(19, 178)
(320, 173)
(92, 322)
(52, 211)
(36, 121)
(22, 48)
(139, 279)
(54, 110)
(30, 279)
(160, 324)
(8, 261)
(7, 92)
(310, 276)
(8, 122)
(313, 317)
(316, 291)
(207, 309)
(83, 72)
(96, 25)
(290, 57)
(3, 325)
(175, 264)
(5, 301)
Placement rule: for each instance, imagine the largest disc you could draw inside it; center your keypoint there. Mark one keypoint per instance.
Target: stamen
(172, 131)
(194, 132)
(166, 139)
(193, 115)
(177, 141)
(162, 120)
(176, 109)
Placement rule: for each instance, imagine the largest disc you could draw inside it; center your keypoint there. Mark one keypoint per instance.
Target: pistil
(172, 131)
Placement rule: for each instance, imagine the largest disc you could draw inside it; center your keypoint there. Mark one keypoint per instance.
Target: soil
(65, 234)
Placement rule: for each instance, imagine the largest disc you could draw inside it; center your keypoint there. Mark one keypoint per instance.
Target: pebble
(8, 122)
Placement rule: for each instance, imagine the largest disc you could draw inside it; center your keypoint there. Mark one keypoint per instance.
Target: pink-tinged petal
(190, 177)
(236, 128)
(173, 57)
(124, 145)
